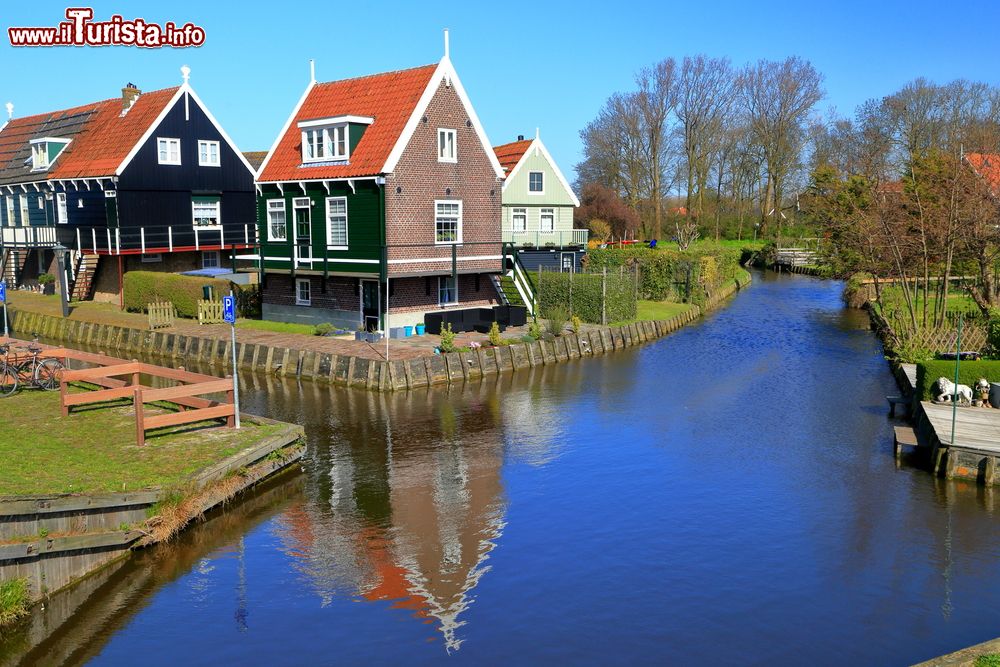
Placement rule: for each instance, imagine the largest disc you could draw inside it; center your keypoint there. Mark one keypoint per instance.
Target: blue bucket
(407, 331)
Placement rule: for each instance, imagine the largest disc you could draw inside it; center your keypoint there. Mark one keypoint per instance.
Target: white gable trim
(184, 90)
(445, 70)
(537, 146)
(285, 127)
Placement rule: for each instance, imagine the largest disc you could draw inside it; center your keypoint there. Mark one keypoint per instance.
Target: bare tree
(707, 91)
(778, 98)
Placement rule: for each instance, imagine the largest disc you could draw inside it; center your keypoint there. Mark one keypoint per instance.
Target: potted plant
(421, 328)
(48, 283)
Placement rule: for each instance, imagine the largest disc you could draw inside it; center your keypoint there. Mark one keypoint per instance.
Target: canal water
(724, 496)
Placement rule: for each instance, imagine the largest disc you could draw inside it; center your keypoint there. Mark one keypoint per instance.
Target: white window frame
(521, 213)
(208, 145)
(62, 210)
(39, 156)
(445, 155)
(10, 210)
(218, 215)
(327, 139)
(441, 280)
(215, 263)
(151, 257)
(270, 208)
(41, 202)
(299, 301)
(536, 192)
(329, 235)
(541, 219)
(458, 226)
(169, 143)
(25, 219)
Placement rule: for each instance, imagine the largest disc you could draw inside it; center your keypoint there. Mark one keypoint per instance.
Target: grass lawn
(93, 450)
(656, 310)
(958, 301)
(277, 327)
(87, 311)
(730, 243)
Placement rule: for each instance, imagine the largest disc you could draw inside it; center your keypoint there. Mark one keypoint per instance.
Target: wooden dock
(975, 451)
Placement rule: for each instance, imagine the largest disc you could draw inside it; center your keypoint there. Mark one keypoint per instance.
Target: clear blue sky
(524, 63)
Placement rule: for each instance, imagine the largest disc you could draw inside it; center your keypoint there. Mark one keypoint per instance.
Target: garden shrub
(581, 294)
(447, 338)
(968, 373)
(323, 328)
(145, 287)
(494, 335)
(672, 275)
(557, 315)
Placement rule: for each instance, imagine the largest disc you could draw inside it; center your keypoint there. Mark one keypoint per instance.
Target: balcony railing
(27, 237)
(161, 238)
(540, 239)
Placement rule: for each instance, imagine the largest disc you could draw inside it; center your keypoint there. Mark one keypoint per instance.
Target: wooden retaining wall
(53, 540)
(360, 372)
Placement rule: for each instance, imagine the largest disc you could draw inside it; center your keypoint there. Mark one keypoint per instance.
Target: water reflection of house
(410, 520)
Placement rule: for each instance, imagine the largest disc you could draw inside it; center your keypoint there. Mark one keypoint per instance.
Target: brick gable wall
(421, 180)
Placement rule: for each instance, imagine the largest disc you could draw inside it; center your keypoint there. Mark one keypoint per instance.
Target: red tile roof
(510, 154)
(987, 165)
(101, 137)
(389, 98)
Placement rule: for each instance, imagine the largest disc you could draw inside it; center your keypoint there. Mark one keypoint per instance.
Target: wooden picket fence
(161, 315)
(209, 312)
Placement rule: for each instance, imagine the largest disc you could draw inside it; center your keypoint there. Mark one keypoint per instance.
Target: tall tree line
(700, 141)
(909, 192)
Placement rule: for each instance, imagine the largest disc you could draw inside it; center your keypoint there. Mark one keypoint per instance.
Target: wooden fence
(187, 395)
(161, 315)
(209, 312)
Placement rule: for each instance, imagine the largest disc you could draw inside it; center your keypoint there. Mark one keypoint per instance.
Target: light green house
(538, 206)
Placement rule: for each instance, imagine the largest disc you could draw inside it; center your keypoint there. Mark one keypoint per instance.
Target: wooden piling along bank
(360, 372)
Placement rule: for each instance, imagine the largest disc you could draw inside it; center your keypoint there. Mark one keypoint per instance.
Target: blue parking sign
(3, 291)
(229, 309)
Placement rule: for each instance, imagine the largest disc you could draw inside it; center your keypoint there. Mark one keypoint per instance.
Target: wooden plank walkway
(975, 428)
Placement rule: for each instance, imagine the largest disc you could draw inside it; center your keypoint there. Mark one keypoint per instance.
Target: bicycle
(9, 381)
(41, 373)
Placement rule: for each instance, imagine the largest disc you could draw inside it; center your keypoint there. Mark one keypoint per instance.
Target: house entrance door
(369, 304)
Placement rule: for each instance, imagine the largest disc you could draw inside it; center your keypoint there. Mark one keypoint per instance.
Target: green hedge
(146, 287)
(671, 275)
(584, 298)
(969, 373)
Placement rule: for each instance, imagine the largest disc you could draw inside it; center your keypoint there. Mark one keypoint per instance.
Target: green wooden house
(379, 202)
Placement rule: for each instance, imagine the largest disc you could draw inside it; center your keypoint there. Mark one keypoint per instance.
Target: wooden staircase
(508, 291)
(86, 268)
(10, 266)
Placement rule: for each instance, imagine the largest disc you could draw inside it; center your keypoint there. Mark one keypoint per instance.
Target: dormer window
(324, 143)
(329, 139)
(44, 152)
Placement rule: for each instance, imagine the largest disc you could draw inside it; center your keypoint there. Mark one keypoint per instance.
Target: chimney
(520, 137)
(129, 95)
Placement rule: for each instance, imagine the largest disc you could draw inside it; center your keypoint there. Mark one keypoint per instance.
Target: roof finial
(537, 134)
(185, 73)
(446, 49)
(10, 110)
(312, 71)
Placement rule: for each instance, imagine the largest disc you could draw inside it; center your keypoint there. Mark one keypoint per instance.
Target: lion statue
(948, 390)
